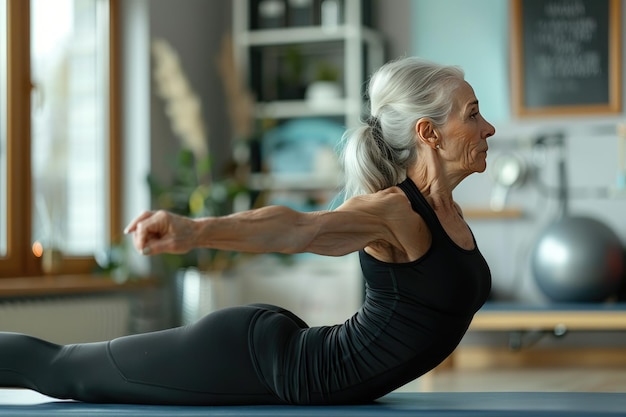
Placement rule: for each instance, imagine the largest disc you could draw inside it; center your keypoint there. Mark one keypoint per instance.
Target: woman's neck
(433, 185)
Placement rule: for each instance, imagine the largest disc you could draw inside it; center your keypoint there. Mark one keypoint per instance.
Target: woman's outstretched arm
(353, 226)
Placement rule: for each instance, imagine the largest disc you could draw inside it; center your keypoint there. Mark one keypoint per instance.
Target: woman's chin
(481, 167)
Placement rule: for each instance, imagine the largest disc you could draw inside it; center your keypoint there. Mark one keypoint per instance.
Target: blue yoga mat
(20, 403)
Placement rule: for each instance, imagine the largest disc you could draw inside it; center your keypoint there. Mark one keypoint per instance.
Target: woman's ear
(425, 132)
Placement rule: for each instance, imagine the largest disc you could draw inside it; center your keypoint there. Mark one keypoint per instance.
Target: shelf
(485, 213)
(616, 193)
(303, 108)
(293, 182)
(282, 36)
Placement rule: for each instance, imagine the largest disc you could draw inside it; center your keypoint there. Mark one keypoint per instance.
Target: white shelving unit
(358, 51)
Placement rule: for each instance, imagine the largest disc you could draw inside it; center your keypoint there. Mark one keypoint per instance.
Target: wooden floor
(548, 380)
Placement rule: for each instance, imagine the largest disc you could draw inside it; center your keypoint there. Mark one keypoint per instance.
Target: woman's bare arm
(353, 226)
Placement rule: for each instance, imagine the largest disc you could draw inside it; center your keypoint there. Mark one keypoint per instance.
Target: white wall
(195, 29)
(393, 20)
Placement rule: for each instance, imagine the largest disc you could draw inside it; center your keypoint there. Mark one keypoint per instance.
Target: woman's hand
(160, 231)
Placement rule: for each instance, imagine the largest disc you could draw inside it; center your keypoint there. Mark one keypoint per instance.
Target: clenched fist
(162, 232)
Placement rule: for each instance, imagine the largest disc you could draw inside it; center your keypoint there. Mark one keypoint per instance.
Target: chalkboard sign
(566, 57)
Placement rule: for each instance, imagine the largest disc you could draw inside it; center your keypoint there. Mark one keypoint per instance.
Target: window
(59, 194)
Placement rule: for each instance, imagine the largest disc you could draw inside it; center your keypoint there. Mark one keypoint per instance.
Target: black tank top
(414, 315)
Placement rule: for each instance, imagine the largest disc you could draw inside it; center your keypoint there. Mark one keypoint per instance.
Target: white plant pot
(203, 292)
(319, 93)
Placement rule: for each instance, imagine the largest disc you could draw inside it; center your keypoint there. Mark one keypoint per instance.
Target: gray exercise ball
(578, 259)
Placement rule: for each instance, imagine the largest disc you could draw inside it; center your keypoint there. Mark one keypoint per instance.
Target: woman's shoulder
(392, 198)
(390, 205)
(406, 225)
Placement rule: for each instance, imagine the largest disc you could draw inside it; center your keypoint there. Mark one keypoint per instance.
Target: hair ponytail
(369, 162)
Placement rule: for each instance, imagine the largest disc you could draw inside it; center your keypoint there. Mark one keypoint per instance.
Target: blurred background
(111, 107)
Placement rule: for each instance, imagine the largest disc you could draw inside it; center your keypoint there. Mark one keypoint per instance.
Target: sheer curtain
(69, 66)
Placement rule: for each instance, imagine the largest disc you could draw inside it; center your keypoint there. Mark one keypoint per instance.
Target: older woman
(425, 277)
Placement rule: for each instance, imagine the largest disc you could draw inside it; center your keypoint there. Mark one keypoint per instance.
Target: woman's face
(463, 138)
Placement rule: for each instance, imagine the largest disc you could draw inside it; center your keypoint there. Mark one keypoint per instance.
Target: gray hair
(377, 154)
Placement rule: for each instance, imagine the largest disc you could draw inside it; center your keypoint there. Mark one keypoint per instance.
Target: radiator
(68, 319)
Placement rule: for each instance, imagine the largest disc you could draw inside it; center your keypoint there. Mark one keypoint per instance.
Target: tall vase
(202, 292)
(196, 294)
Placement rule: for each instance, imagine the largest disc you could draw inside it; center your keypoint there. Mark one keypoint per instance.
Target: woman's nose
(490, 131)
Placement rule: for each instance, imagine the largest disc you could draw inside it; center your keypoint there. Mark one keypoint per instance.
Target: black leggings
(208, 362)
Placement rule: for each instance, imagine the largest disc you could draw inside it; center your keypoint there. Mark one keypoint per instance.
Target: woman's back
(413, 317)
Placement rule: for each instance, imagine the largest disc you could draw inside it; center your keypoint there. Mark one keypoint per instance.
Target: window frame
(20, 261)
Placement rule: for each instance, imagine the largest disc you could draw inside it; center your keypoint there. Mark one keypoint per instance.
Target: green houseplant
(193, 193)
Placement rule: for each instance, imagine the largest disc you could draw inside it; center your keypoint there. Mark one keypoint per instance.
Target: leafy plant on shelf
(326, 71)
